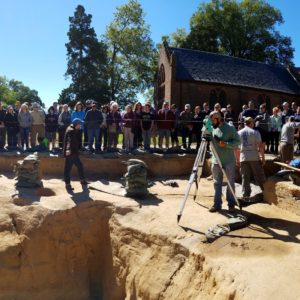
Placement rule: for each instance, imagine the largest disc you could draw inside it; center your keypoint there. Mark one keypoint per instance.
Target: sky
(33, 34)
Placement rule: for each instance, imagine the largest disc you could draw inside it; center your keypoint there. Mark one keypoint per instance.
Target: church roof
(216, 68)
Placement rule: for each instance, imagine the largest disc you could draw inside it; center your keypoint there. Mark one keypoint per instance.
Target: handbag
(112, 128)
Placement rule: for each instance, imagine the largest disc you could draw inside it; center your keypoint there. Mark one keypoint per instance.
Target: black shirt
(146, 120)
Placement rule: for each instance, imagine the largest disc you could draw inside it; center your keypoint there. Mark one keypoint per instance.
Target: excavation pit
(93, 245)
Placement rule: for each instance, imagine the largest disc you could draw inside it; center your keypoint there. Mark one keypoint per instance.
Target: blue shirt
(78, 114)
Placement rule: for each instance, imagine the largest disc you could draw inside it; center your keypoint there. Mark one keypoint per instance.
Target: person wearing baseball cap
(186, 126)
(93, 120)
(71, 153)
(251, 158)
(225, 140)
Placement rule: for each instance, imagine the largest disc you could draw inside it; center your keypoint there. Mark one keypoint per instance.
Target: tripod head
(207, 129)
(206, 137)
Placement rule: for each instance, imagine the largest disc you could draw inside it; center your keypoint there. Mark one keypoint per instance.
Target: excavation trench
(93, 245)
(60, 255)
(86, 253)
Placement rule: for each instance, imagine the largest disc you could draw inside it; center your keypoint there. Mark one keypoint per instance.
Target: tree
(131, 53)
(87, 60)
(13, 90)
(6, 95)
(24, 93)
(67, 97)
(246, 29)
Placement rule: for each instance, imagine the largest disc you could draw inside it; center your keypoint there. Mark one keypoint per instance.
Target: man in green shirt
(225, 139)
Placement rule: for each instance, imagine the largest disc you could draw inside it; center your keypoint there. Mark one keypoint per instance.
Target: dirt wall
(98, 165)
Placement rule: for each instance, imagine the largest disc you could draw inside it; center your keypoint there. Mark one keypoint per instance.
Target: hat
(248, 120)
(76, 121)
(187, 106)
(88, 102)
(285, 103)
(35, 105)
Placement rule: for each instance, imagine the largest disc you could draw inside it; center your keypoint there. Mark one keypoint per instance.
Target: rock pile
(27, 172)
(136, 178)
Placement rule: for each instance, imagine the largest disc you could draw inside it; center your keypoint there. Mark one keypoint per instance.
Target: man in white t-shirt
(252, 157)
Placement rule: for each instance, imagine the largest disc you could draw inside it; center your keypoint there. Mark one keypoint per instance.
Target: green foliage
(13, 90)
(131, 53)
(67, 97)
(87, 61)
(246, 29)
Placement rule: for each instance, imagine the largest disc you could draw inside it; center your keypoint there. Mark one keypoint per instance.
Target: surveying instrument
(199, 163)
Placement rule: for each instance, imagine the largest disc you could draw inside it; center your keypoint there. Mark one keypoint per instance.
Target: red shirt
(165, 119)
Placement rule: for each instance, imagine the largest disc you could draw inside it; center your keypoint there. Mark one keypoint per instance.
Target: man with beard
(71, 153)
(225, 139)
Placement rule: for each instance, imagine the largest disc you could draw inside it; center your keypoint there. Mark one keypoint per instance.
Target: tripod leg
(197, 165)
(197, 187)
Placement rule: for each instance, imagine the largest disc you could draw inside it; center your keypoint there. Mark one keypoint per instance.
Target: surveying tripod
(197, 172)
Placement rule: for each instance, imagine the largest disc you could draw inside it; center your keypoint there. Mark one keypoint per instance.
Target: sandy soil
(260, 261)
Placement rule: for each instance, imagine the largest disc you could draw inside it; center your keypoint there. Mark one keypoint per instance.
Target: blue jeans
(103, 134)
(218, 180)
(146, 138)
(24, 131)
(94, 133)
(12, 136)
(2, 137)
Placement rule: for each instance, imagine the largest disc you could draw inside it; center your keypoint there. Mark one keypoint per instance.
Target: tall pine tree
(87, 61)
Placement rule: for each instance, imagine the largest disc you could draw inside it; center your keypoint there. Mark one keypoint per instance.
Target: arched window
(213, 98)
(260, 100)
(268, 103)
(222, 99)
(162, 76)
(161, 93)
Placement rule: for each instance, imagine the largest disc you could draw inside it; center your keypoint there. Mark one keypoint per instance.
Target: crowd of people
(141, 126)
(239, 139)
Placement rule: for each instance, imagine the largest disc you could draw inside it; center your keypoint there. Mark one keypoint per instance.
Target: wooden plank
(286, 166)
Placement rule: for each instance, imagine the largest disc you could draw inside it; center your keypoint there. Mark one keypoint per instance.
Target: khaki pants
(247, 169)
(286, 152)
(37, 131)
(128, 138)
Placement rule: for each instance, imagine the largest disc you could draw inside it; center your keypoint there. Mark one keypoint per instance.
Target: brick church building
(190, 76)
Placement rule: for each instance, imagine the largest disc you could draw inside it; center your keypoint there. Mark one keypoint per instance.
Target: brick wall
(195, 93)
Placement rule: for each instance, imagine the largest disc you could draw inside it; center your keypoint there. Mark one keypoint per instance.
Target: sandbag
(136, 184)
(27, 172)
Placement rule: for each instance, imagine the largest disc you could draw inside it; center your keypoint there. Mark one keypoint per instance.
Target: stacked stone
(27, 172)
(136, 178)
